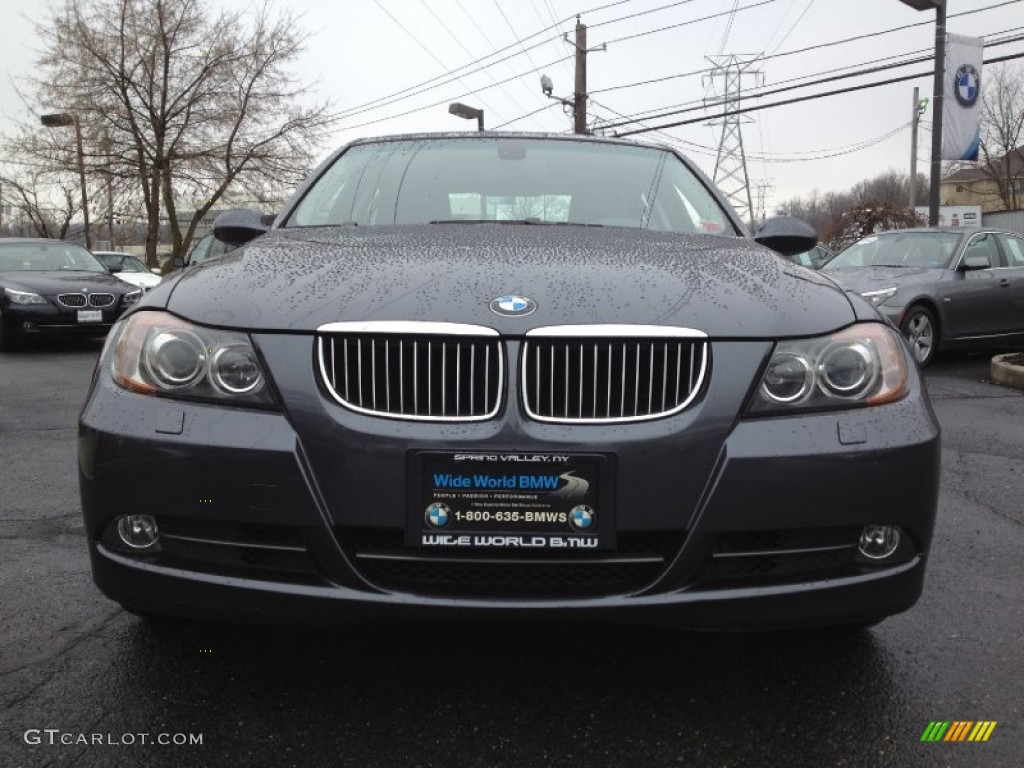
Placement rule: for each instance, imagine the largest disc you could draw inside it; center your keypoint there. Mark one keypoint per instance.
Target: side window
(983, 245)
(1013, 248)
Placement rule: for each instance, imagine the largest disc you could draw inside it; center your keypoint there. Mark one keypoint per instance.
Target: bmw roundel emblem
(968, 86)
(581, 517)
(437, 515)
(515, 306)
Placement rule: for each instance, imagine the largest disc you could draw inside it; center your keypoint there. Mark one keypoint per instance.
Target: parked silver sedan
(944, 288)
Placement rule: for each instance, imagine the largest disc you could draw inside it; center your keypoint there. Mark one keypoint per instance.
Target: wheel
(922, 334)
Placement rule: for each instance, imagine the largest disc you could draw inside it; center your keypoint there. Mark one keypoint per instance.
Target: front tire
(922, 334)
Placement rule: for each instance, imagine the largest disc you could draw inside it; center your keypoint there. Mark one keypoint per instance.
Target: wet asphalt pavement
(537, 695)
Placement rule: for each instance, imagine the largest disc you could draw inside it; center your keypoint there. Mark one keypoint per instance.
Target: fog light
(138, 531)
(878, 542)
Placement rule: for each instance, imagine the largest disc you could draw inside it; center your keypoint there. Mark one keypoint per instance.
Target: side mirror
(787, 235)
(975, 262)
(238, 226)
(155, 270)
(178, 262)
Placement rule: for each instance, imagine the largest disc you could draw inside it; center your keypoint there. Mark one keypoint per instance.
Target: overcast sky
(362, 51)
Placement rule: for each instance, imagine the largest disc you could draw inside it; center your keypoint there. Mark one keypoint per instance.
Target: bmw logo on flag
(581, 517)
(968, 86)
(437, 515)
(515, 306)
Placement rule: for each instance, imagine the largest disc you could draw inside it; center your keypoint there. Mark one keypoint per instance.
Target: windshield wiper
(530, 222)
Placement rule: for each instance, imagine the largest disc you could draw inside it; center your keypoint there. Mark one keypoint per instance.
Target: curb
(1006, 373)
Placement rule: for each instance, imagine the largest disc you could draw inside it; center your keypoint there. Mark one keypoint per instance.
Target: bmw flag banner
(962, 98)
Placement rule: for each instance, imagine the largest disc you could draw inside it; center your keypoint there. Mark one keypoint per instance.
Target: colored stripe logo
(958, 730)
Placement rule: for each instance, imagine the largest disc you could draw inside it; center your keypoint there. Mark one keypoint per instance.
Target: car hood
(52, 283)
(139, 279)
(865, 279)
(298, 280)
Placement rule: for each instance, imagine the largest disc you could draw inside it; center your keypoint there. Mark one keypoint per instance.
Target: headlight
(879, 297)
(132, 296)
(23, 297)
(862, 365)
(160, 354)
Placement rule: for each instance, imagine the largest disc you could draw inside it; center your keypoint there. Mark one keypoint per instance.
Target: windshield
(532, 181)
(131, 264)
(121, 261)
(927, 250)
(46, 257)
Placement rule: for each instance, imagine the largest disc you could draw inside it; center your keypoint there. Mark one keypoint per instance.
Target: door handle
(1004, 282)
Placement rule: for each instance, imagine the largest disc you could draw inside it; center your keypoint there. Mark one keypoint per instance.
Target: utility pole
(920, 105)
(938, 102)
(578, 103)
(731, 163)
(579, 113)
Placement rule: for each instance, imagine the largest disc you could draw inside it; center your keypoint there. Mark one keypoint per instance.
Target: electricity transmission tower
(763, 188)
(731, 162)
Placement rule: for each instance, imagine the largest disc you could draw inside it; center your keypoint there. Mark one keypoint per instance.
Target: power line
(515, 35)
(638, 14)
(798, 156)
(728, 27)
(663, 111)
(558, 24)
(815, 47)
(419, 42)
(548, 105)
(782, 20)
(443, 102)
(796, 23)
(459, 42)
(686, 23)
(694, 106)
(810, 97)
(432, 83)
(445, 78)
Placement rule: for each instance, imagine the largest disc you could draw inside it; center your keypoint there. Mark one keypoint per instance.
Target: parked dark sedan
(944, 288)
(53, 288)
(537, 375)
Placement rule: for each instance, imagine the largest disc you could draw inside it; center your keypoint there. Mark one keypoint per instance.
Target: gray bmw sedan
(945, 288)
(525, 374)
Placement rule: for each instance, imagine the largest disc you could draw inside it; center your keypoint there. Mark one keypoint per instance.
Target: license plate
(522, 501)
(90, 315)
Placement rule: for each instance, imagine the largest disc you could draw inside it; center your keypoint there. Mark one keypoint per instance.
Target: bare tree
(182, 105)
(870, 205)
(1002, 131)
(37, 187)
(865, 218)
(46, 203)
(889, 187)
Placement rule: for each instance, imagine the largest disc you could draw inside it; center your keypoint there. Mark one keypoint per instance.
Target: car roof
(31, 240)
(944, 230)
(520, 135)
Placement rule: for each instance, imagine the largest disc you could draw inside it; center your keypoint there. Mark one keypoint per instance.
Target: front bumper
(50, 320)
(287, 515)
